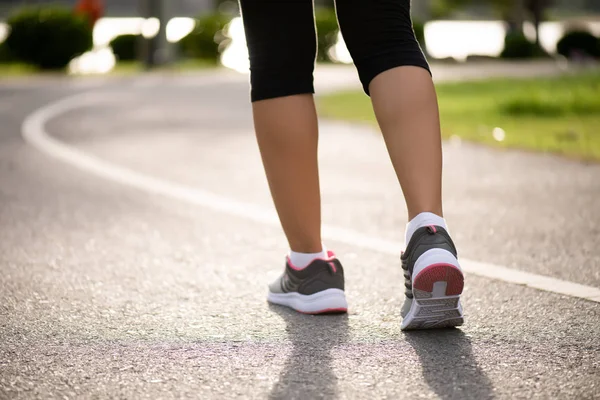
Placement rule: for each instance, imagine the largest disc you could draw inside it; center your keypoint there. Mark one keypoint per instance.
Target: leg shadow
(449, 367)
(308, 371)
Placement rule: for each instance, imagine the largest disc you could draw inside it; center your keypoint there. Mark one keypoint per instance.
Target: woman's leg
(395, 73)
(286, 130)
(406, 108)
(282, 47)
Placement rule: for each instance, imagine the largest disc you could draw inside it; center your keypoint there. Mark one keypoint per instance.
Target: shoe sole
(436, 292)
(324, 302)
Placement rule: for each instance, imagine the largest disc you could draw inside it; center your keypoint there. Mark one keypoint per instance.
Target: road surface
(143, 273)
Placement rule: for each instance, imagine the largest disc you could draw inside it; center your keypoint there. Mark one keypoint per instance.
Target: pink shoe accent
(440, 273)
(332, 265)
(433, 228)
(292, 266)
(330, 257)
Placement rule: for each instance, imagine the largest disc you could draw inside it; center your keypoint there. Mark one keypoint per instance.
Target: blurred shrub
(578, 101)
(207, 39)
(445, 60)
(5, 55)
(327, 32)
(578, 42)
(516, 45)
(48, 37)
(227, 6)
(480, 58)
(125, 47)
(92, 10)
(419, 28)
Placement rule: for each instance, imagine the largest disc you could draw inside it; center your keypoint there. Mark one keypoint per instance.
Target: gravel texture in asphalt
(111, 292)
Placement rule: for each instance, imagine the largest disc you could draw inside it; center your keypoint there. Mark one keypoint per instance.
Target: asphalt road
(108, 291)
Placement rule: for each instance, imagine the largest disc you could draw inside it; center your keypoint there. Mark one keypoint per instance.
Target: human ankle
(423, 219)
(302, 259)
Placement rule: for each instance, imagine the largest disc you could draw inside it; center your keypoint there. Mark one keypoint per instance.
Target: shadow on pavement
(448, 364)
(308, 371)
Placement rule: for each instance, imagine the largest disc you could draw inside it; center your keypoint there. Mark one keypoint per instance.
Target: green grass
(136, 67)
(559, 115)
(15, 69)
(12, 69)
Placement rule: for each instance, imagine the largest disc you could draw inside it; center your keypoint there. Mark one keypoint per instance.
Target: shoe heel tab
(332, 267)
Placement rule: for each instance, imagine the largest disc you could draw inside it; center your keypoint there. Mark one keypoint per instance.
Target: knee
(282, 69)
(383, 40)
(398, 54)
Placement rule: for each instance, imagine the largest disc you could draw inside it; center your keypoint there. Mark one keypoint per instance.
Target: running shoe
(316, 289)
(433, 279)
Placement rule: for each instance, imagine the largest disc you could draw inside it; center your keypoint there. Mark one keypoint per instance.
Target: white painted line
(34, 132)
(201, 79)
(540, 282)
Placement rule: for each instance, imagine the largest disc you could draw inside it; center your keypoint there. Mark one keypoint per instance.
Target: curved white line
(34, 132)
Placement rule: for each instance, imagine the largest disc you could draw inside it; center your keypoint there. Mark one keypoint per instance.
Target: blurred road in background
(116, 290)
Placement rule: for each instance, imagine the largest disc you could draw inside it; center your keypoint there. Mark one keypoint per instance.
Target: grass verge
(11, 69)
(559, 115)
(15, 69)
(187, 65)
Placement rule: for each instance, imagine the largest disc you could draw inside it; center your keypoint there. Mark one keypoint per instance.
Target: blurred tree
(515, 12)
(443, 8)
(511, 11)
(537, 10)
(227, 6)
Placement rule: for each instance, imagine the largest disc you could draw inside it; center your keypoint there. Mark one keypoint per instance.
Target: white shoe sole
(437, 285)
(326, 301)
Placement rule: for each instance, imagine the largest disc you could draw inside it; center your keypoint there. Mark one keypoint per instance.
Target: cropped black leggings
(282, 42)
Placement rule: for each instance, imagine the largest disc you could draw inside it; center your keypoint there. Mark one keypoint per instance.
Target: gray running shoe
(316, 289)
(433, 279)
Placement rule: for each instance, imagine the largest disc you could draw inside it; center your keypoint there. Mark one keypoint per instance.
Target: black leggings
(282, 42)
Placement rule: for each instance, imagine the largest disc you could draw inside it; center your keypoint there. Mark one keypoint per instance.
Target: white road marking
(34, 132)
(203, 79)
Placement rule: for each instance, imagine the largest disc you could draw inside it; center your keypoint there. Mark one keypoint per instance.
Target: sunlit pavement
(111, 291)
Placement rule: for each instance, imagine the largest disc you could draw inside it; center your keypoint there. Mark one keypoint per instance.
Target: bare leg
(406, 108)
(381, 40)
(287, 134)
